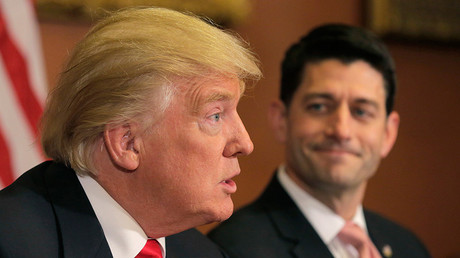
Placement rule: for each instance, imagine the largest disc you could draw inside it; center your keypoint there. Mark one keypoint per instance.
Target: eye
(362, 113)
(215, 117)
(359, 112)
(316, 107)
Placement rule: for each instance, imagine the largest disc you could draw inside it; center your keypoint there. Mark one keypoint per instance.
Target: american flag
(22, 89)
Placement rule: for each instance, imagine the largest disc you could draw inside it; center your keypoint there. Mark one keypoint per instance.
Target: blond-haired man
(144, 135)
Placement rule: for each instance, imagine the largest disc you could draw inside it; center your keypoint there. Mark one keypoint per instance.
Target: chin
(220, 212)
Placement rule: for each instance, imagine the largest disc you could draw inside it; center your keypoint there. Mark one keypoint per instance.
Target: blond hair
(127, 61)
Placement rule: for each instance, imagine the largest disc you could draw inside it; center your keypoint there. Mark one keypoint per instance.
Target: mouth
(229, 185)
(336, 151)
(336, 154)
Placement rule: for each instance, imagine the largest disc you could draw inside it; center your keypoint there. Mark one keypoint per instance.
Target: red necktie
(354, 235)
(151, 249)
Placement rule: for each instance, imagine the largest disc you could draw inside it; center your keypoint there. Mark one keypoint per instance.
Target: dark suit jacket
(45, 213)
(273, 226)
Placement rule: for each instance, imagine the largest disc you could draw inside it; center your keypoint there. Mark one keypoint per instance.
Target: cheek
(199, 159)
(190, 157)
(373, 140)
(193, 180)
(304, 130)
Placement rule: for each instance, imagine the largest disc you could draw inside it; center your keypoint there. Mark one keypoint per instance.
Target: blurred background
(418, 184)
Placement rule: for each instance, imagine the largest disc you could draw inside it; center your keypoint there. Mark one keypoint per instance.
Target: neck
(152, 217)
(126, 188)
(344, 201)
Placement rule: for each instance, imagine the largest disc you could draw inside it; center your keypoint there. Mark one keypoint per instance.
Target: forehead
(336, 77)
(200, 91)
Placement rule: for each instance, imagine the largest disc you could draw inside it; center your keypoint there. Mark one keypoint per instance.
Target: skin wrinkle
(220, 95)
(187, 155)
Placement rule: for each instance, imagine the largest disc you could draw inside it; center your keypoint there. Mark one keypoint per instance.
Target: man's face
(190, 155)
(336, 126)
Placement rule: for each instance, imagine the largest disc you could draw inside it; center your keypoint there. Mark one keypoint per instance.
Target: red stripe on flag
(17, 70)
(6, 175)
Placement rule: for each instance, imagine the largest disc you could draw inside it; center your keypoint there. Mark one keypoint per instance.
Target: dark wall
(417, 185)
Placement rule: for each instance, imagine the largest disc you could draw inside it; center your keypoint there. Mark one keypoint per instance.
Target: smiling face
(190, 156)
(336, 129)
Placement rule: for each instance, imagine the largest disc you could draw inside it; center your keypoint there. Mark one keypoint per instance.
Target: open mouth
(229, 186)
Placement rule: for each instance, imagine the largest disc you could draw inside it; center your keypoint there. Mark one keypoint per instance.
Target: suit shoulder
(387, 232)
(31, 180)
(191, 243)
(383, 224)
(27, 192)
(27, 211)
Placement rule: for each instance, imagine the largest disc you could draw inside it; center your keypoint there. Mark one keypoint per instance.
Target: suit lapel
(80, 231)
(378, 238)
(291, 224)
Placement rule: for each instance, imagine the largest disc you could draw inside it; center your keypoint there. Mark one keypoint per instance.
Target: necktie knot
(352, 234)
(151, 249)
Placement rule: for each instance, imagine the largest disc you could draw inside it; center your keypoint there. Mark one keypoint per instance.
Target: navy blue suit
(273, 226)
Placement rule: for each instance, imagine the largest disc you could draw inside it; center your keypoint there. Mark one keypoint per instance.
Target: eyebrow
(211, 98)
(218, 96)
(311, 96)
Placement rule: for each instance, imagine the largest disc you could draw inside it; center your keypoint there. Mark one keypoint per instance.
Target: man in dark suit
(335, 116)
(144, 137)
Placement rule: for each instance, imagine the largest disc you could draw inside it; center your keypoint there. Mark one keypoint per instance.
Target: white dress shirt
(124, 235)
(325, 222)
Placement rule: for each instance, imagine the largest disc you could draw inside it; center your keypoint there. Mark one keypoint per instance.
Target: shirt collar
(124, 235)
(325, 222)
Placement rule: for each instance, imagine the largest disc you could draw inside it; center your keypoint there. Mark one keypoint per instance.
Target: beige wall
(417, 185)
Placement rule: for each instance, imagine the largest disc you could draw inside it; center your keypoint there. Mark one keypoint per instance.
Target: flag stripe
(7, 175)
(18, 73)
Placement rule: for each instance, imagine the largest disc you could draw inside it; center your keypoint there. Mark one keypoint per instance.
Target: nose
(239, 143)
(340, 124)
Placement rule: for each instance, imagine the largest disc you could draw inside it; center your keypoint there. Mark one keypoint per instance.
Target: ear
(122, 145)
(277, 116)
(391, 133)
